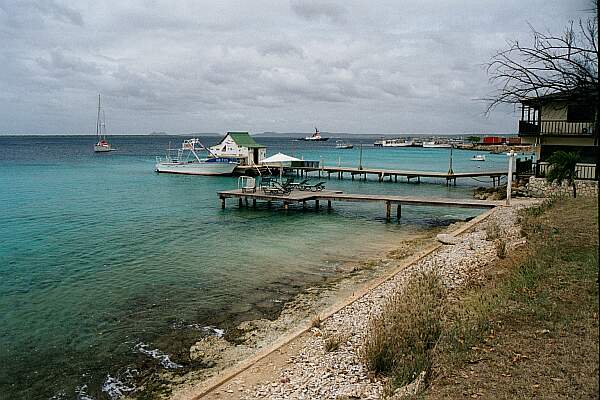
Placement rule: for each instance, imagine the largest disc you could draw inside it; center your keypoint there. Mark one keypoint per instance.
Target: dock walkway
(302, 197)
(381, 174)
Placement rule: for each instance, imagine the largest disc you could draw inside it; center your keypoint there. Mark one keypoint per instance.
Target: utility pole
(450, 171)
(511, 158)
(360, 158)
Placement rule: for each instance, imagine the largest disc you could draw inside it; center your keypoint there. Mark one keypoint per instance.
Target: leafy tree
(473, 139)
(563, 167)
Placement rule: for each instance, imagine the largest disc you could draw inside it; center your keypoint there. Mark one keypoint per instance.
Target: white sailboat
(102, 145)
(187, 161)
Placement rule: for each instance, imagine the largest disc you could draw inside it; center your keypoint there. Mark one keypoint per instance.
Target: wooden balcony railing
(555, 128)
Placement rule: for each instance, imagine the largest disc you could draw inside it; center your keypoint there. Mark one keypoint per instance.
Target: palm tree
(563, 166)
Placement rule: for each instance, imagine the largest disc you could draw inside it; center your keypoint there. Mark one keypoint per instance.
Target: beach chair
(248, 184)
(298, 185)
(265, 181)
(317, 187)
(276, 189)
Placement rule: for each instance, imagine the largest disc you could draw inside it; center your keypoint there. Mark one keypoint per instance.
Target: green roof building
(242, 146)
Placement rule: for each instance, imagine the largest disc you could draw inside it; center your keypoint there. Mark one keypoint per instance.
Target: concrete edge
(229, 373)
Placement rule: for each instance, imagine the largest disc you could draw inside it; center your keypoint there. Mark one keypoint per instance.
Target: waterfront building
(241, 146)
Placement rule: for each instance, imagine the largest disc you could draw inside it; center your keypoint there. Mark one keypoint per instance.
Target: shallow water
(101, 259)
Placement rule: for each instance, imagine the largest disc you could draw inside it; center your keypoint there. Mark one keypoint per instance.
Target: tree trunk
(574, 189)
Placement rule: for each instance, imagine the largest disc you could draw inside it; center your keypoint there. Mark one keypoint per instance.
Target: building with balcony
(560, 122)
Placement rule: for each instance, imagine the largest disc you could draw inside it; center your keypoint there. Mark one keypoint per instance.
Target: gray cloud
(316, 9)
(353, 66)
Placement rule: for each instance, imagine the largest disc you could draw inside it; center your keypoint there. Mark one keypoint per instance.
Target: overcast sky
(283, 65)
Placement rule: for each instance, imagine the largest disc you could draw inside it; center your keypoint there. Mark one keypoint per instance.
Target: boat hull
(211, 168)
(315, 140)
(436, 146)
(102, 149)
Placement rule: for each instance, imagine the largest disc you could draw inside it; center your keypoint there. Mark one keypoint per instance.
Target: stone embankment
(539, 187)
(311, 371)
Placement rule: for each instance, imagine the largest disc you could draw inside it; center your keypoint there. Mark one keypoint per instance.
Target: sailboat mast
(98, 132)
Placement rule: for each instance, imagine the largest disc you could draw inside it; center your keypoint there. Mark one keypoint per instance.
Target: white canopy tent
(279, 160)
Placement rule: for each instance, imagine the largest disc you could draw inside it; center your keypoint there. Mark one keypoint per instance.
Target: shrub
(492, 230)
(334, 341)
(400, 341)
(501, 248)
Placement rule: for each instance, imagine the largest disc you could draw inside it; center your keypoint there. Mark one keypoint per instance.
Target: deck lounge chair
(317, 187)
(298, 185)
(277, 189)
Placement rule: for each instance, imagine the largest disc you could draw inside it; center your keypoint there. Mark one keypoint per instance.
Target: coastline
(272, 339)
(220, 353)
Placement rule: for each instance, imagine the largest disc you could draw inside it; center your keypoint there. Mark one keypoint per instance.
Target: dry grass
(531, 331)
(334, 341)
(400, 341)
(492, 230)
(501, 248)
(316, 321)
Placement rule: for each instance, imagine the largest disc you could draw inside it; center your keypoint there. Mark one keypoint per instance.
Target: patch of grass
(316, 321)
(334, 341)
(492, 230)
(531, 329)
(400, 341)
(501, 248)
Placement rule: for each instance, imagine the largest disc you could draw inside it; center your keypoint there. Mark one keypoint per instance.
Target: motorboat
(343, 145)
(478, 157)
(186, 160)
(315, 137)
(436, 144)
(102, 146)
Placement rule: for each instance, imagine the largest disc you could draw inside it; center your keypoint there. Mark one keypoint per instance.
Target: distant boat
(102, 145)
(343, 145)
(187, 161)
(315, 137)
(478, 157)
(435, 144)
(395, 143)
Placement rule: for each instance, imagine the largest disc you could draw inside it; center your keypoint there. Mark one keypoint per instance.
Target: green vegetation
(473, 139)
(563, 167)
(527, 328)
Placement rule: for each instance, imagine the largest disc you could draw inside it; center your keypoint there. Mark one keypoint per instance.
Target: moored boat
(315, 137)
(102, 145)
(436, 144)
(478, 157)
(186, 160)
(339, 144)
(396, 143)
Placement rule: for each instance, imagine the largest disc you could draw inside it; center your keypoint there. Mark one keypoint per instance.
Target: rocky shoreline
(314, 372)
(217, 352)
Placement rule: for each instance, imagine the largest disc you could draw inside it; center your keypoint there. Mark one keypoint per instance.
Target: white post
(511, 157)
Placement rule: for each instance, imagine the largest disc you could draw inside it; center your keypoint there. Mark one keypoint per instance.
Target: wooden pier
(302, 197)
(381, 174)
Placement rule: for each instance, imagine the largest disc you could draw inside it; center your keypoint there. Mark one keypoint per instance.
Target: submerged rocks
(209, 349)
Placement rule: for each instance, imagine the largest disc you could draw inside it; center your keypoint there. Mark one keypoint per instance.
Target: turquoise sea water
(109, 269)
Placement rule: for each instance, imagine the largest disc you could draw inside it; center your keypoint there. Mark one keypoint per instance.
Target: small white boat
(102, 145)
(478, 157)
(187, 161)
(343, 145)
(435, 144)
(315, 137)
